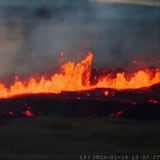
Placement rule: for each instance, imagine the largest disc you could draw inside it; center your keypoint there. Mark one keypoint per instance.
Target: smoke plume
(33, 33)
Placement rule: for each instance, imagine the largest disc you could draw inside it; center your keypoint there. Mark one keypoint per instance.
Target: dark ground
(49, 138)
(139, 104)
(71, 124)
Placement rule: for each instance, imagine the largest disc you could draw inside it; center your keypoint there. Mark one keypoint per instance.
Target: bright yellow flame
(76, 77)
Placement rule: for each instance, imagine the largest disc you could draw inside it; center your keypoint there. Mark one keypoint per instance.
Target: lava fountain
(77, 77)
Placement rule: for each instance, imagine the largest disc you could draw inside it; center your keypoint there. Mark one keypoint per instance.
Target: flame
(77, 77)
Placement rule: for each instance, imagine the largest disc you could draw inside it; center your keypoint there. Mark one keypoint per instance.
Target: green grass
(50, 138)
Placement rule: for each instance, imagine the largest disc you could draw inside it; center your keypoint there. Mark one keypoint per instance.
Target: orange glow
(140, 79)
(106, 93)
(76, 77)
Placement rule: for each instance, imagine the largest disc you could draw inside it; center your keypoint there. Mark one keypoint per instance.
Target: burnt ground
(74, 124)
(142, 104)
(48, 138)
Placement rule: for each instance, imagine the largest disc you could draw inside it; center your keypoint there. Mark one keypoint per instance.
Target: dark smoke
(33, 33)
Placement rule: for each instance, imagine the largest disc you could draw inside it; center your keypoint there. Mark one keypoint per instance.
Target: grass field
(51, 138)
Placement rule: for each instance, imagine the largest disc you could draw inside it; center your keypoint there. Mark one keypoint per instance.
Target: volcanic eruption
(77, 77)
(75, 91)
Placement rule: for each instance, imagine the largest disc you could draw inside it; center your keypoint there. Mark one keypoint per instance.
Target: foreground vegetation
(49, 138)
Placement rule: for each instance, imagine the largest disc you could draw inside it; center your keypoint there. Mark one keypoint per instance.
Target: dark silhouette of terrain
(142, 104)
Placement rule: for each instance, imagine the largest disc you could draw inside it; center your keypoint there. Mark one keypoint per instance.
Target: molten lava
(77, 77)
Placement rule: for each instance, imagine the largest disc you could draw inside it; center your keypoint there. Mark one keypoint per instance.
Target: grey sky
(139, 2)
(50, 2)
(117, 34)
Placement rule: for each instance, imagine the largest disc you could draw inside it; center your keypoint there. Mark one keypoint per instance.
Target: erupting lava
(77, 77)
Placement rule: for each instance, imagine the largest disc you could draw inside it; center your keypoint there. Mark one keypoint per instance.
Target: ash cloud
(34, 33)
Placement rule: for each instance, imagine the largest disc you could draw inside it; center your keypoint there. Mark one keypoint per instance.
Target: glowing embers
(77, 77)
(28, 113)
(10, 113)
(153, 101)
(106, 93)
(116, 114)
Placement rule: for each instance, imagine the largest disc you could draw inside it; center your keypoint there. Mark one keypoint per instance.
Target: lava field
(143, 104)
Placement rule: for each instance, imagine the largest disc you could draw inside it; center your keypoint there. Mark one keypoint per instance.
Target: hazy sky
(140, 2)
(31, 40)
(50, 2)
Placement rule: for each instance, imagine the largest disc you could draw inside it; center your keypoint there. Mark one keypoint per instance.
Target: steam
(33, 34)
